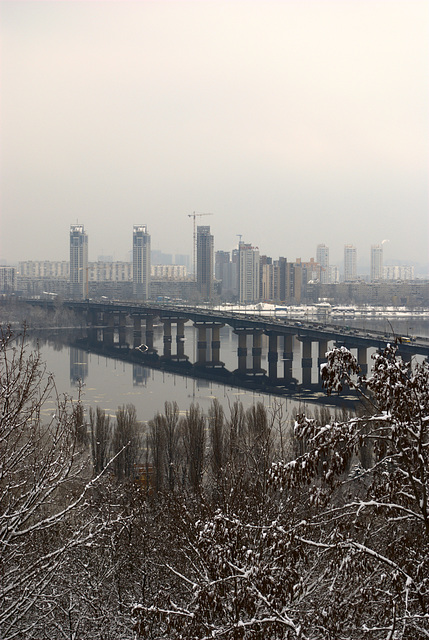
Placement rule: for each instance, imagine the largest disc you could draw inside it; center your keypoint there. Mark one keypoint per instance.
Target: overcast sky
(293, 122)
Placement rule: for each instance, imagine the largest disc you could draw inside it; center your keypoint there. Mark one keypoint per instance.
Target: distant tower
(141, 261)
(322, 257)
(223, 270)
(376, 262)
(78, 261)
(205, 244)
(350, 258)
(248, 273)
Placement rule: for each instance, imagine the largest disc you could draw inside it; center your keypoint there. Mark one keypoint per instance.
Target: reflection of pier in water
(78, 366)
(267, 341)
(143, 362)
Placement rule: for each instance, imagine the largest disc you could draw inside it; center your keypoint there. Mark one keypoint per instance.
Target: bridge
(107, 323)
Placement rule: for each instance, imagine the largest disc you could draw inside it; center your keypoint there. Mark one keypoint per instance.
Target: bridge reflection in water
(127, 332)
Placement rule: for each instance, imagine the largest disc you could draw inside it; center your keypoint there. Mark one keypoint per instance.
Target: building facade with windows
(248, 273)
(376, 262)
(205, 256)
(322, 257)
(141, 262)
(78, 261)
(350, 263)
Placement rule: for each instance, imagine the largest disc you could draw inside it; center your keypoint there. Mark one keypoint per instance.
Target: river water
(109, 383)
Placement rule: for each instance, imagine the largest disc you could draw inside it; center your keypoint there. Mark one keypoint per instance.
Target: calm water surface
(109, 383)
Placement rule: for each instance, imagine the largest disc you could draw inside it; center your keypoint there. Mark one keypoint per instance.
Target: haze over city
(294, 123)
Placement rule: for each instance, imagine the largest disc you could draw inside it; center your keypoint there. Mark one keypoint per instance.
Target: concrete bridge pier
(362, 357)
(122, 328)
(167, 338)
(201, 344)
(288, 358)
(180, 340)
(109, 329)
(137, 331)
(257, 352)
(323, 348)
(306, 361)
(405, 355)
(273, 355)
(242, 350)
(215, 345)
(149, 333)
(92, 319)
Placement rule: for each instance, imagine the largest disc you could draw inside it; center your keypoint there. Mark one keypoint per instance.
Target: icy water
(110, 383)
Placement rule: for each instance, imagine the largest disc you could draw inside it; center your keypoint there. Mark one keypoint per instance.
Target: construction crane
(195, 215)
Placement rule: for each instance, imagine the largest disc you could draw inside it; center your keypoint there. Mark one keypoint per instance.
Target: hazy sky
(294, 122)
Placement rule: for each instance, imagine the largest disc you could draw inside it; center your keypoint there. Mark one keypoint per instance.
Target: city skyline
(307, 122)
(206, 250)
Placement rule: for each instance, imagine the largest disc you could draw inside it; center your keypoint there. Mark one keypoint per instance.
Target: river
(109, 382)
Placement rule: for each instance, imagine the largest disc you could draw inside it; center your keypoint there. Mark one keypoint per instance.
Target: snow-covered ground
(322, 310)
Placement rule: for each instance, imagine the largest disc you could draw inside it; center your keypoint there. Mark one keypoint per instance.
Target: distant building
(78, 261)
(334, 274)
(7, 279)
(168, 272)
(110, 271)
(158, 257)
(293, 282)
(44, 269)
(376, 262)
(266, 278)
(248, 273)
(322, 257)
(141, 262)
(405, 272)
(223, 272)
(182, 259)
(205, 246)
(350, 263)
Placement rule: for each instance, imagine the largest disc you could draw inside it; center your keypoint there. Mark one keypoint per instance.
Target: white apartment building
(141, 261)
(169, 271)
(350, 263)
(322, 257)
(376, 262)
(78, 261)
(249, 273)
(398, 273)
(44, 269)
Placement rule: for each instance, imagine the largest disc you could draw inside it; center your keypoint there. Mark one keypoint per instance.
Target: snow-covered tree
(45, 513)
(367, 524)
(337, 546)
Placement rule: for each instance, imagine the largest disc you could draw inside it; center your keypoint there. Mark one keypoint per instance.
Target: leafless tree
(194, 439)
(101, 438)
(126, 442)
(44, 512)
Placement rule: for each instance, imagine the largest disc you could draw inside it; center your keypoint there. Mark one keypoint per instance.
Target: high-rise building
(223, 270)
(78, 261)
(7, 279)
(334, 274)
(141, 261)
(293, 281)
(205, 244)
(248, 273)
(266, 278)
(350, 263)
(322, 257)
(376, 262)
